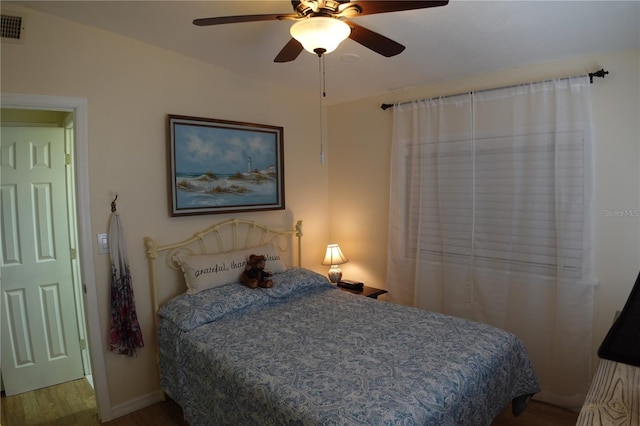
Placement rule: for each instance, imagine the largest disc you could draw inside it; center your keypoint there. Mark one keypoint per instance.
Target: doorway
(74, 123)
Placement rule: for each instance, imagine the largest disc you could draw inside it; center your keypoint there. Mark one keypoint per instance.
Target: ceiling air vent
(12, 27)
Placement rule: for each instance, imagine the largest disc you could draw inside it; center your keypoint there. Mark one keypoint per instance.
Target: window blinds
(494, 201)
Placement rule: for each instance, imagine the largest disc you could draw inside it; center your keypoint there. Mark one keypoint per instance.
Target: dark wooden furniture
(366, 291)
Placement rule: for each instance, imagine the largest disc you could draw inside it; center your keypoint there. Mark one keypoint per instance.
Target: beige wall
(360, 134)
(130, 88)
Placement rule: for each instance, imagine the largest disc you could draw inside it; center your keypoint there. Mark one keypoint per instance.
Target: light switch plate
(103, 244)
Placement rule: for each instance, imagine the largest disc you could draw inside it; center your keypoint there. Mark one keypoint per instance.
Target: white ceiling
(460, 39)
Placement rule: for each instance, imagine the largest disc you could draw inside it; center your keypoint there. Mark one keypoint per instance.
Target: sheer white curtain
(491, 219)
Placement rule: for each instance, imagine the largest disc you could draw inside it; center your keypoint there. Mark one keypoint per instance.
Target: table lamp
(334, 257)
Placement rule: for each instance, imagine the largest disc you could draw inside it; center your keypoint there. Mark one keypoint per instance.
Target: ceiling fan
(322, 24)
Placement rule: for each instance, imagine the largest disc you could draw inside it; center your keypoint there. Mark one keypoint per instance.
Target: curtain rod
(600, 73)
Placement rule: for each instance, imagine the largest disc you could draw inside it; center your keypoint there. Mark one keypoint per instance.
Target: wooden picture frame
(220, 166)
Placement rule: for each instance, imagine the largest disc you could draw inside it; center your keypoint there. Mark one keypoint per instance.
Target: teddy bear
(254, 274)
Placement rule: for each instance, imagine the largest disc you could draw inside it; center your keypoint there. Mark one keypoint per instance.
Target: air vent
(12, 27)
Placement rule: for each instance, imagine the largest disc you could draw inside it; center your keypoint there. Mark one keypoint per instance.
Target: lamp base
(335, 274)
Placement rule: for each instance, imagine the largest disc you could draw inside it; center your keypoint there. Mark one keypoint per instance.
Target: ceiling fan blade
(201, 22)
(374, 41)
(369, 7)
(290, 51)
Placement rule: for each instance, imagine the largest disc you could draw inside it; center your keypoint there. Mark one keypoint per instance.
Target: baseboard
(572, 403)
(135, 404)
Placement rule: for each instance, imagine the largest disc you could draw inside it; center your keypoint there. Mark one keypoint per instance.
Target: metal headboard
(166, 278)
(222, 237)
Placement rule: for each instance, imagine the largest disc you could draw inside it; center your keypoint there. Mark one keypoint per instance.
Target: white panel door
(40, 344)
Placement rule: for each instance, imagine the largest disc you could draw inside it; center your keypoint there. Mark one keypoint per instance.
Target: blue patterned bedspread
(306, 353)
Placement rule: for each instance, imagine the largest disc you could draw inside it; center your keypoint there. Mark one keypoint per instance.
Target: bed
(306, 353)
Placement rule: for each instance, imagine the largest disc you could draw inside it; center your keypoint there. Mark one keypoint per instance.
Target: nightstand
(366, 291)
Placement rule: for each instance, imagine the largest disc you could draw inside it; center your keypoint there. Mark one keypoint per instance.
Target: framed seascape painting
(218, 166)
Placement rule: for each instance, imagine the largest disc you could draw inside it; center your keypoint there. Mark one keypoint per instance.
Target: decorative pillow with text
(203, 271)
(274, 263)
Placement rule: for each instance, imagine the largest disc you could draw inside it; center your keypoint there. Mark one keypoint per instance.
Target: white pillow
(274, 263)
(203, 271)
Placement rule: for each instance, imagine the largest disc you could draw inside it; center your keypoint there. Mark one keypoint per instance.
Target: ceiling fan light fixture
(320, 34)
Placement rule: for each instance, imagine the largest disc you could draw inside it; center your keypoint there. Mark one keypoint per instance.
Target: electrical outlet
(103, 244)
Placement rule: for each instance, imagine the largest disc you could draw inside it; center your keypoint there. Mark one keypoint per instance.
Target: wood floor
(73, 404)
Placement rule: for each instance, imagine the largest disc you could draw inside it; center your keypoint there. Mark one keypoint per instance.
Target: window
(491, 219)
(498, 198)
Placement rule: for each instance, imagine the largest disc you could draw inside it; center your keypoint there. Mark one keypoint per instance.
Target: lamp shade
(334, 256)
(320, 34)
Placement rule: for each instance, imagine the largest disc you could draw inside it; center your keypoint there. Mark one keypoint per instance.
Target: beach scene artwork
(220, 169)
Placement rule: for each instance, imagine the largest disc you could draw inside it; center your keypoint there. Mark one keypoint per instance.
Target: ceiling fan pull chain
(324, 79)
(322, 94)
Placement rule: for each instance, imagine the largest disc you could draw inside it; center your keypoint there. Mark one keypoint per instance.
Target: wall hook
(113, 203)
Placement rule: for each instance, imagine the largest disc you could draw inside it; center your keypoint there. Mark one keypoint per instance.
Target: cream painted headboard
(166, 278)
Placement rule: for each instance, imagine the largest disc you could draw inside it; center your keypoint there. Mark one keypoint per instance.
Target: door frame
(83, 208)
